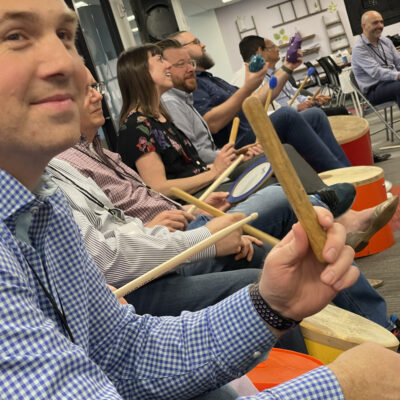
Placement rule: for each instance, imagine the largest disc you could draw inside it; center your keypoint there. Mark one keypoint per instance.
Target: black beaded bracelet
(286, 69)
(269, 315)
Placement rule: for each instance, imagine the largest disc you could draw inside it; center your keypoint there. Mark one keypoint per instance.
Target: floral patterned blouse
(140, 134)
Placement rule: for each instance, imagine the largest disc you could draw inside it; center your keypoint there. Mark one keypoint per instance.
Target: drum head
(250, 180)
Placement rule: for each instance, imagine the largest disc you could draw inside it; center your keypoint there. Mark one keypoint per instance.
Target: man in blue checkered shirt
(63, 334)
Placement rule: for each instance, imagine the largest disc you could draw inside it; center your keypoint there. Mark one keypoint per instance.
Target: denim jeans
(385, 91)
(310, 133)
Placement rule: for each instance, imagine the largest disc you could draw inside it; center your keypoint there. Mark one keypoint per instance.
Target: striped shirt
(121, 184)
(116, 353)
(120, 245)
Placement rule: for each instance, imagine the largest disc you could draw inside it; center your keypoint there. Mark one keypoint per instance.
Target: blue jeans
(310, 133)
(385, 91)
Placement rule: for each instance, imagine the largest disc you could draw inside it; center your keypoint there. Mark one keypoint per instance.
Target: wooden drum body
(352, 133)
(370, 191)
(334, 330)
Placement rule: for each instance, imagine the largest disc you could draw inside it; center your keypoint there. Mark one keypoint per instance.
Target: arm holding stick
(285, 173)
(180, 258)
(180, 194)
(316, 94)
(217, 182)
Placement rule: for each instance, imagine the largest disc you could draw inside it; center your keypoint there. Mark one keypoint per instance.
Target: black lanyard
(61, 314)
(115, 212)
(371, 47)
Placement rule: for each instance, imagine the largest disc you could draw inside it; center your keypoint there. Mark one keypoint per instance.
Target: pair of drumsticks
(289, 180)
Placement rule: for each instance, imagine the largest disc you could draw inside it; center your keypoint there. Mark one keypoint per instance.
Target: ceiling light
(135, 29)
(226, 1)
(131, 18)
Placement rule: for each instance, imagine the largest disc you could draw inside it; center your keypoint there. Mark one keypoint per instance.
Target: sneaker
(339, 197)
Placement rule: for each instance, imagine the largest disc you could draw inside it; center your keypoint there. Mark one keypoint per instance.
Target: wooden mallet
(180, 258)
(310, 71)
(285, 173)
(251, 230)
(272, 85)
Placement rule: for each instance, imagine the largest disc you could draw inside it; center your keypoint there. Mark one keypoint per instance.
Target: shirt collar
(14, 195)
(186, 97)
(203, 73)
(367, 41)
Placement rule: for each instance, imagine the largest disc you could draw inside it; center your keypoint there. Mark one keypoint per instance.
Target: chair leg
(386, 119)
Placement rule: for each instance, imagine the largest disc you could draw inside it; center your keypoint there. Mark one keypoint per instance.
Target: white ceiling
(193, 7)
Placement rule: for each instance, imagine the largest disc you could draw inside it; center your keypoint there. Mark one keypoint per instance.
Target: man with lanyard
(376, 62)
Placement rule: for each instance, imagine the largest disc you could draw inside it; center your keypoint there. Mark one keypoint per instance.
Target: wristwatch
(269, 315)
(286, 69)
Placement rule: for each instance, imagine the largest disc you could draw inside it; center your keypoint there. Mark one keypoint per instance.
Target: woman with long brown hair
(148, 141)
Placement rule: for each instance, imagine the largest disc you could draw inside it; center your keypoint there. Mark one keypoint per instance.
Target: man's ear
(259, 50)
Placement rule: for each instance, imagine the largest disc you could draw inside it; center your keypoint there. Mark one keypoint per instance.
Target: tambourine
(250, 180)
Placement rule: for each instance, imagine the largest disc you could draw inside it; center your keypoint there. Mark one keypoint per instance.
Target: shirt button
(34, 210)
(257, 354)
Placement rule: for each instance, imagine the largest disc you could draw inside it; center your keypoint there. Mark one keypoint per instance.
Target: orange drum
(352, 133)
(370, 191)
(281, 366)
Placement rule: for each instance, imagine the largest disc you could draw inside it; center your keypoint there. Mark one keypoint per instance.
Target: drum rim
(236, 199)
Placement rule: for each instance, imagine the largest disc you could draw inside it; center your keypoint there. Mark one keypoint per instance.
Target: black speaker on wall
(389, 9)
(155, 19)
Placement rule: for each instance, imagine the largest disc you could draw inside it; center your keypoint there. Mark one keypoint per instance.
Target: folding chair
(375, 109)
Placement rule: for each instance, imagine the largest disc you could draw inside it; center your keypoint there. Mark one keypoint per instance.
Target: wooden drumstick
(234, 130)
(243, 150)
(315, 94)
(310, 71)
(285, 173)
(180, 194)
(273, 81)
(217, 182)
(180, 258)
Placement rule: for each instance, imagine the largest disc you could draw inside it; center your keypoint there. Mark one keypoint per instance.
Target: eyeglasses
(194, 41)
(183, 64)
(100, 87)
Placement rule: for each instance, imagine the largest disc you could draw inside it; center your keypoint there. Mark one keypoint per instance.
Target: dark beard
(205, 61)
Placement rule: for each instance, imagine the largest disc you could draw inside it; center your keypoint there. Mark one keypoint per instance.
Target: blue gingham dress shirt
(116, 354)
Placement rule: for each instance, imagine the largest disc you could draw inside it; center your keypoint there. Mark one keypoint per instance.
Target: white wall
(205, 26)
(217, 29)
(264, 19)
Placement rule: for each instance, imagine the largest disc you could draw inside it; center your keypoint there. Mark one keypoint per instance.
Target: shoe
(339, 197)
(381, 157)
(382, 215)
(375, 283)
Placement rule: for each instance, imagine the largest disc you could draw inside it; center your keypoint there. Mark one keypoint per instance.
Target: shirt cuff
(197, 235)
(241, 337)
(320, 383)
